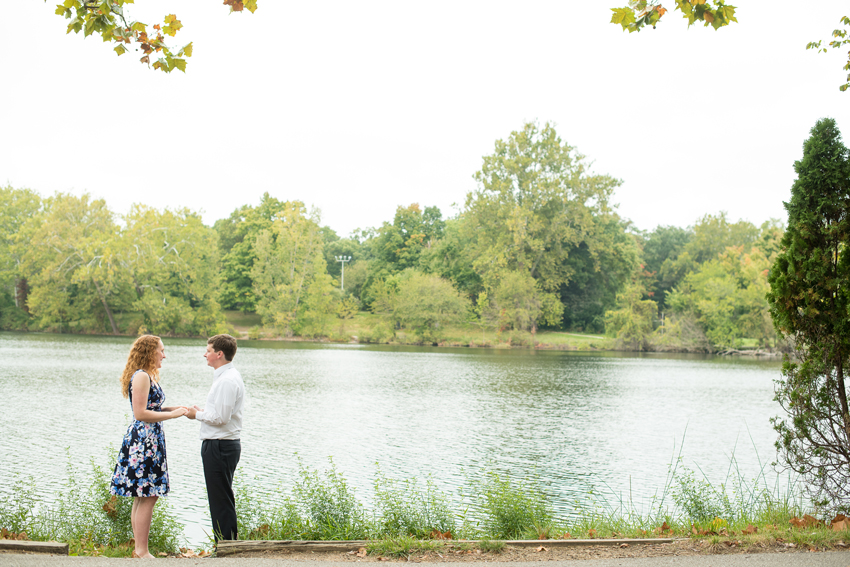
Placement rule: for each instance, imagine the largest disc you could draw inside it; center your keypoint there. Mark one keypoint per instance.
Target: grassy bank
(406, 515)
(366, 327)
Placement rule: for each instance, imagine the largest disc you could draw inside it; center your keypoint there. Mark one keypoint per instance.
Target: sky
(357, 108)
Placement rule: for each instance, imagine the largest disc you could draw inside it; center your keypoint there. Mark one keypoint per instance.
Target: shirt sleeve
(223, 401)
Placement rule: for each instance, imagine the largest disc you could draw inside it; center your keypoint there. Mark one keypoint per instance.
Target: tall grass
(83, 511)
(322, 505)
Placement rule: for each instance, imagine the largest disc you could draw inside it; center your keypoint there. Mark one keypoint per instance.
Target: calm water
(578, 419)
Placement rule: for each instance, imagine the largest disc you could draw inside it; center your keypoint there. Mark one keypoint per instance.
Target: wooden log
(23, 546)
(230, 547)
(581, 542)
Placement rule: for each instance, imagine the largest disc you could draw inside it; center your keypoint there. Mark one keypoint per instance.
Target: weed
(401, 546)
(510, 508)
(491, 545)
(329, 505)
(405, 509)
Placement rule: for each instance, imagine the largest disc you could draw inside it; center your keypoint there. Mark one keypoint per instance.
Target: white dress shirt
(221, 418)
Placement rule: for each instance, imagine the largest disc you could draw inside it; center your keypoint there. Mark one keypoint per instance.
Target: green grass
(405, 516)
(367, 327)
(242, 320)
(84, 513)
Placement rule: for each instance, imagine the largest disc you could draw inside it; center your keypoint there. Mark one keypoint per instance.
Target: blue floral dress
(141, 468)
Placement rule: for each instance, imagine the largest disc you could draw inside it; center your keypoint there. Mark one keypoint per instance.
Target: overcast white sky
(358, 107)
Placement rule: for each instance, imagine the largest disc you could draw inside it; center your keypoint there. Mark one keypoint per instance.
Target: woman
(141, 471)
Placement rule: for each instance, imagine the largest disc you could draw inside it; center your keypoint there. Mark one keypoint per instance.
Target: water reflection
(574, 419)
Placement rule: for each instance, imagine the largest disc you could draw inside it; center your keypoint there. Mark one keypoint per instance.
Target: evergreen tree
(809, 301)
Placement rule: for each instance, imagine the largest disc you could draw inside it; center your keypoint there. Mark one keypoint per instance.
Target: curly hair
(142, 356)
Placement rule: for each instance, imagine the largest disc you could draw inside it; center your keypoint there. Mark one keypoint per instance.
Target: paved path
(822, 559)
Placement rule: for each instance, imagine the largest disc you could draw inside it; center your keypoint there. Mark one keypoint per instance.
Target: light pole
(342, 260)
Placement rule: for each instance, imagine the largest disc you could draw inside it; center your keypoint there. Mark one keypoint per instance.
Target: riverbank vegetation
(537, 247)
(414, 514)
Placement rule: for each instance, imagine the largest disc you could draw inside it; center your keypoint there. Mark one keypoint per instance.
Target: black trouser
(220, 457)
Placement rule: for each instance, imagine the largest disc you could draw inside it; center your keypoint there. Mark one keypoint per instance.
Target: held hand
(190, 412)
(179, 411)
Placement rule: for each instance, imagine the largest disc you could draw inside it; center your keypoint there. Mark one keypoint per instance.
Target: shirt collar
(222, 369)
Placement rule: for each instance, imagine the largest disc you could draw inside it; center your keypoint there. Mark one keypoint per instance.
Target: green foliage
(237, 235)
(840, 38)
(641, 13)
(510, 508)
(171, 258)
(399, 245)
(329, 505)
(602, 267)
(71, 258)
(536, 205)
(85, 511)
(290, 277)
(727, 296)
(407, 510)
(663, 245)
(422, 303)
(810, 301)
(110, 19)
(520, 303)
(631, 322)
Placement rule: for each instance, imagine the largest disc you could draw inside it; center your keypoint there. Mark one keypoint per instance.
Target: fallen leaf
(591, 534)
(111, 507)
(811, 521)
(840, 523)
(541, 548)
(750, 530)
(162, 554)
(663, 528)
(382, 558)
(797, 522)
(624, 545)
(361, 552)
(566, 535)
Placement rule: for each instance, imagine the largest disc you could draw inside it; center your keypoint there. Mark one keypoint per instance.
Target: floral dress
(141, 468)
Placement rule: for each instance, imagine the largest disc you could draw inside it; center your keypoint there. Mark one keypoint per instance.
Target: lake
(614, 421)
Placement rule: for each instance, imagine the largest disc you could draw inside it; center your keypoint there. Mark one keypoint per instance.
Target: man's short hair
(225, 344)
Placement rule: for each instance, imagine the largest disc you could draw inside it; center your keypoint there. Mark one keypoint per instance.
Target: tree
(521, 304)
(290, 276)
(536, 204)
(663, 244)
(422, 303)
(172, 261)
(72, 261)
(237, 235)
(399, 245)
(111, 20)
(16, 207)
(641, 13)
(727, 297)
(631, 322)
(810, 302)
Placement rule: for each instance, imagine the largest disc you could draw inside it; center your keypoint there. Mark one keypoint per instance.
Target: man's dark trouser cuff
(220, 457)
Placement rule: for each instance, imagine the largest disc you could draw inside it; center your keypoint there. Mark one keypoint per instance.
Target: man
(221, 426)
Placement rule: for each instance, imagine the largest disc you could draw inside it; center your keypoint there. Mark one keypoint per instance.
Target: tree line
(538, 244)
